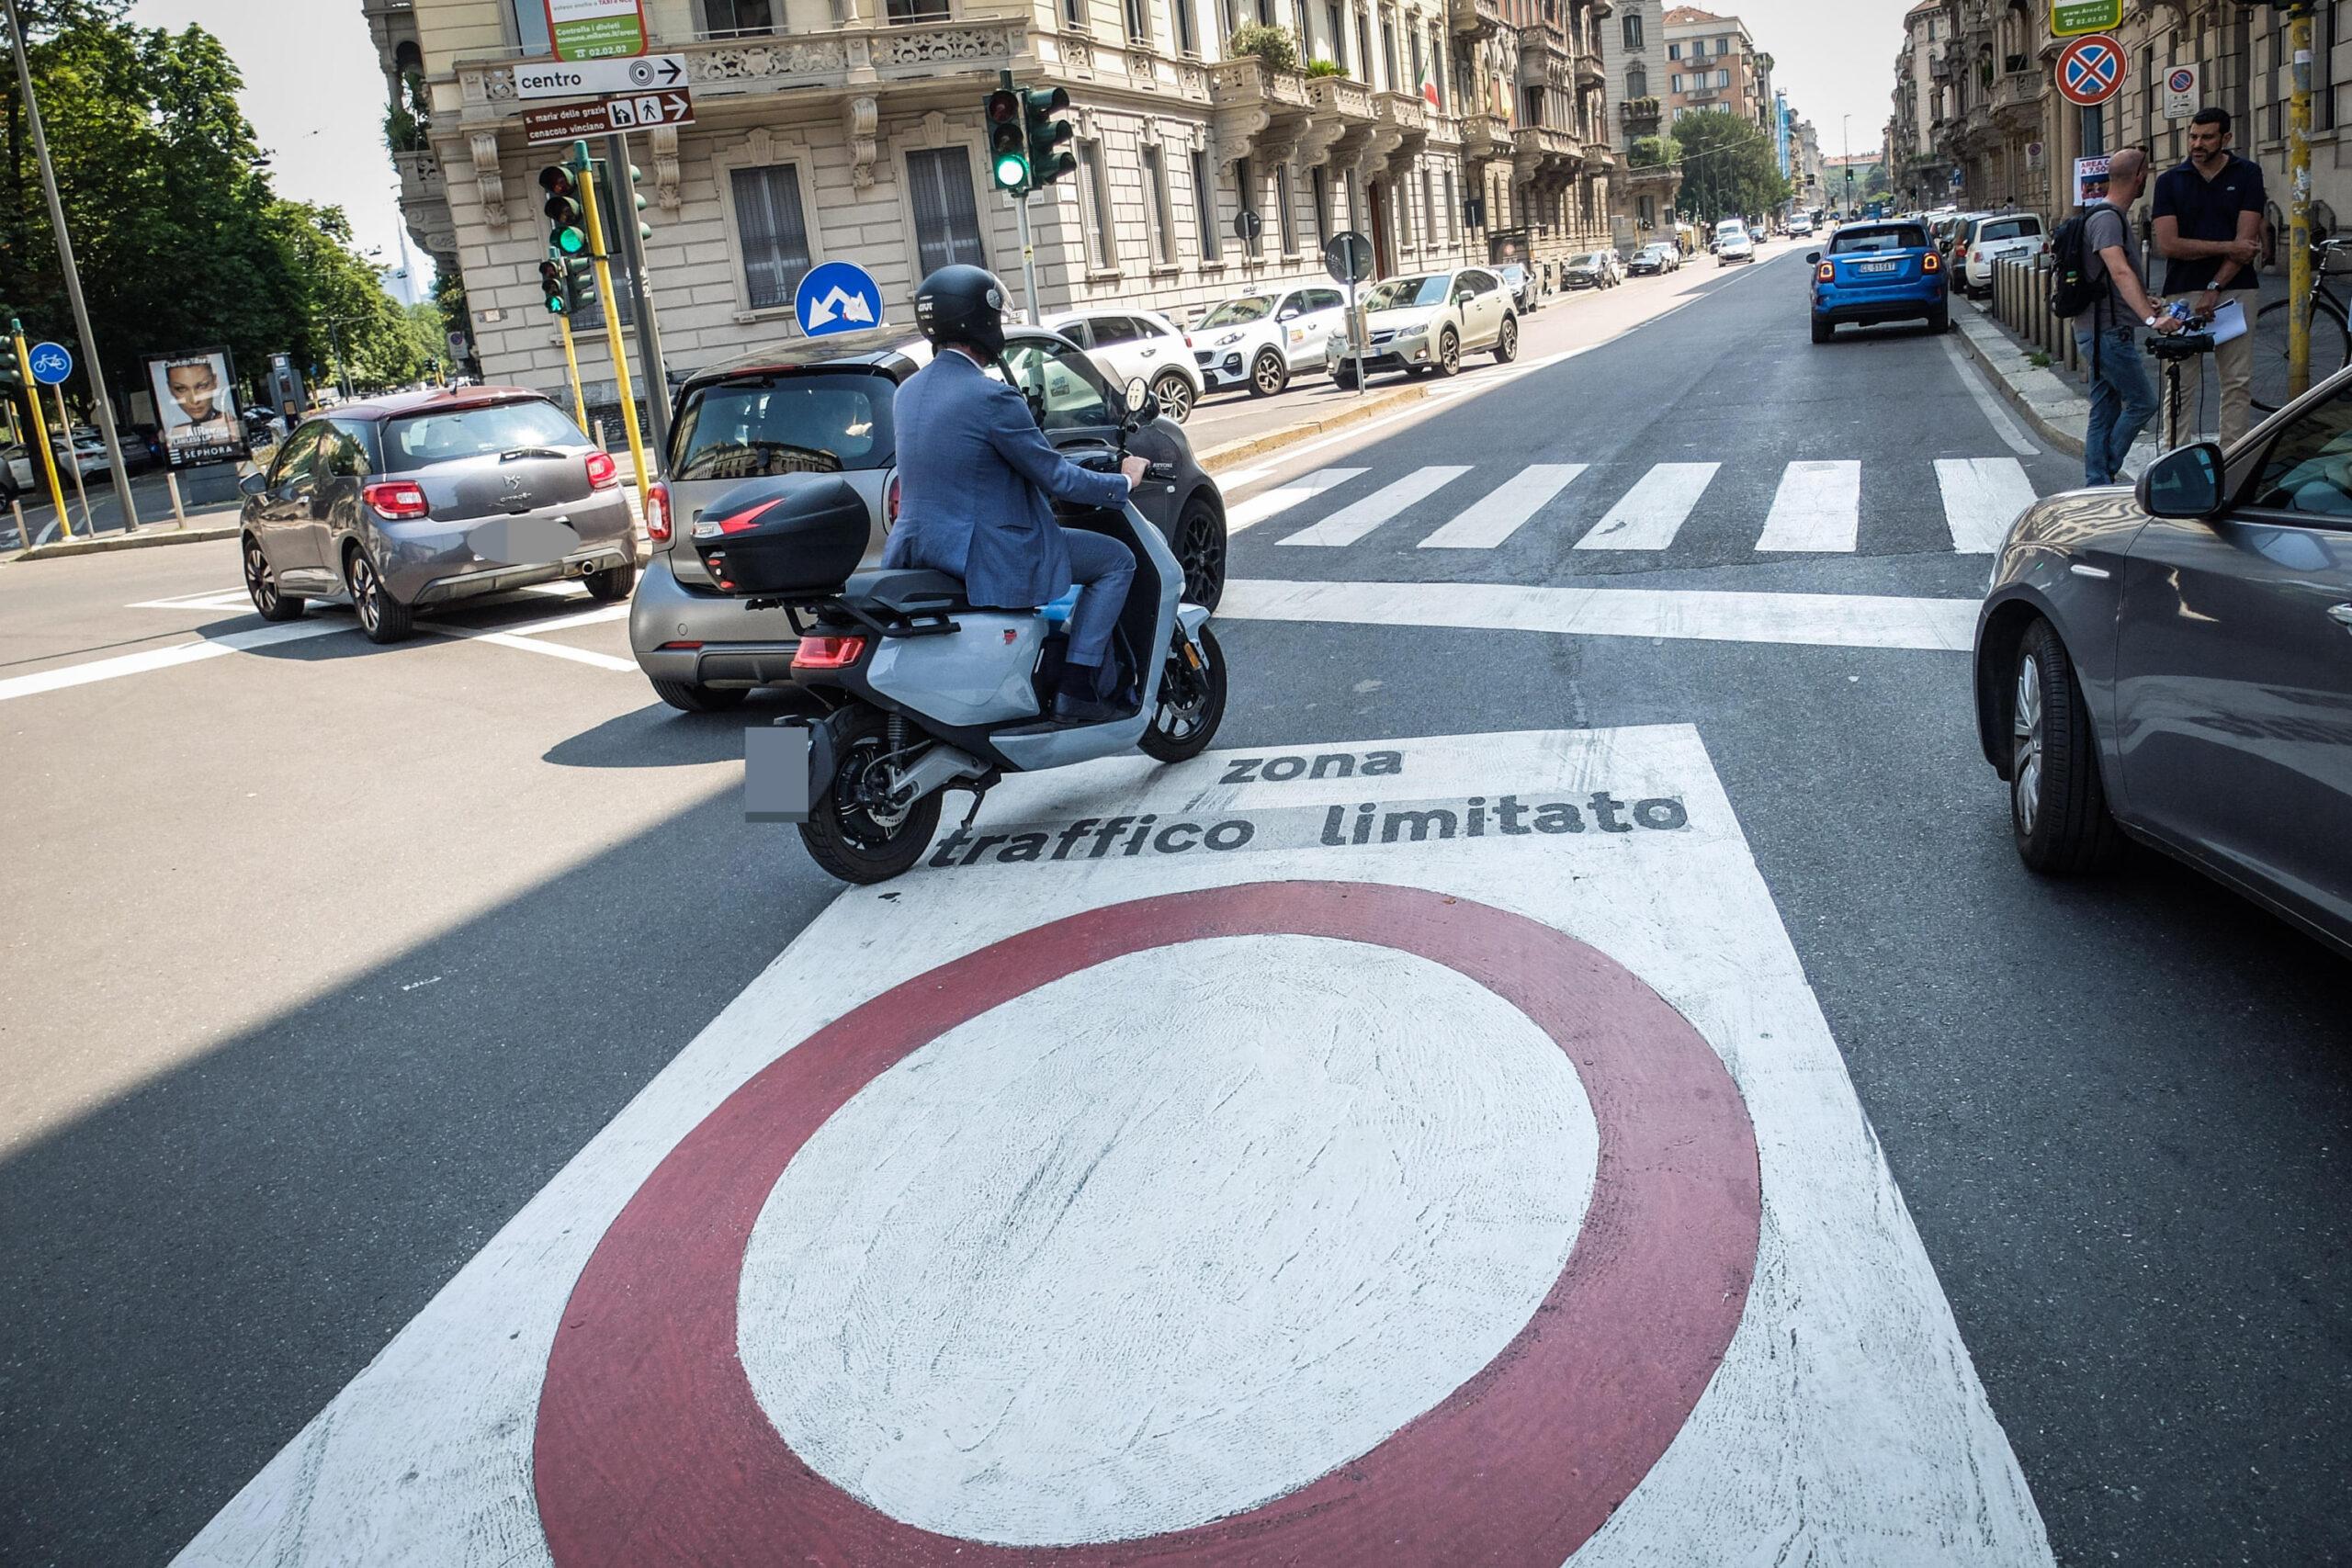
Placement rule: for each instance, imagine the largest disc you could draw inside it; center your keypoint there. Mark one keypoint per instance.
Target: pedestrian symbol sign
(837, 298)
(51, 363)
(2090, 70)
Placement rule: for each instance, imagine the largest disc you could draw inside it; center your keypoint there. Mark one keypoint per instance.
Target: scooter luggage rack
(887, 623)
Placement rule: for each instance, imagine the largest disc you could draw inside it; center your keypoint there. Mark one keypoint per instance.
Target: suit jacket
(974, 473)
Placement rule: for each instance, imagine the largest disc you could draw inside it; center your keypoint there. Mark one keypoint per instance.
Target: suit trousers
(1103, 568)
(2234, 365)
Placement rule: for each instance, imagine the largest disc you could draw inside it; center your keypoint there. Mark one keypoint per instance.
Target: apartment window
(1638, 83)
(530, 19)
(1287, 210)
(1413, 45)
(1388, 52)
(1337, 21)
(1436, 93)
(1319, 184)
(1074, 13)
(1723, 78)
(1677, 80)
(1452, 212)
(733, 18)
(1266, 12)
(1674, 51)
(1139, 22)
(1363, 48)
(1204, 207)
(1157, 212)
(1245, 190)
(1722, 46)
(903, 11)
(774, 233)
(1429, 210)
(1186, 42)
(948, 223)
(1633, 29)
(1534, 105)
(1097, 203)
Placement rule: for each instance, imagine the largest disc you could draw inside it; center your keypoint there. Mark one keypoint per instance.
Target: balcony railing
(1477, 16)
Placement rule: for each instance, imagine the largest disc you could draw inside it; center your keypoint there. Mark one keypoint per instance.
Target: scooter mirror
(1138, 394)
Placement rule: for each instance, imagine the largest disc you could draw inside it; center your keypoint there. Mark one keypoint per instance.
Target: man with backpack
(2100, 283)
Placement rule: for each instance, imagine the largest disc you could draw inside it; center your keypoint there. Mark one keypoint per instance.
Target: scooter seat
(905, 590)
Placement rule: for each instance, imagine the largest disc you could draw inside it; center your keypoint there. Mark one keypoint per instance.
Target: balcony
(1486, 136)
(2017, 99)
(1476, 19)
(1543, 58)
(1589, 73)
(1640, 117)
(1255, 110)
(1542, 155)
(1340, 125)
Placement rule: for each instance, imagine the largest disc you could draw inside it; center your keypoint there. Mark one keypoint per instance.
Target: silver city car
(403, 502)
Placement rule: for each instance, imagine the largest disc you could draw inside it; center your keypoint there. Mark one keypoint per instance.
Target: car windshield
(784, 424)
(1590, 258)
(1235, 312)
(445, 435)
(1406, 293)
(1850, 242)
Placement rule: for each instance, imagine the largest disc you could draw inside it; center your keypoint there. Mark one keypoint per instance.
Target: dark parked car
(424, 498)
(825, 407)
(2174, 664)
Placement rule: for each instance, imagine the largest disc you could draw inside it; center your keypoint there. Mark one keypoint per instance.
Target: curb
(2056, 410)
(1356, 413)
(146, 538)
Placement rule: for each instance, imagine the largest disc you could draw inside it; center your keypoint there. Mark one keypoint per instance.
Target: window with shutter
(773, 233)
(947, 222)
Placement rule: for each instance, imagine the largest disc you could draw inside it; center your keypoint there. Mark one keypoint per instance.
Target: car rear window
(752, 428)
(2008, 229)
(420, 440)
(1848, 242)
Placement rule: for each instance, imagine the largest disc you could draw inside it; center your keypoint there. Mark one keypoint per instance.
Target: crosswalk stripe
(1647, 516)
(1351, 522)
(1496, 516)
(1981, 497)
(1258, 508)
(1817, 507)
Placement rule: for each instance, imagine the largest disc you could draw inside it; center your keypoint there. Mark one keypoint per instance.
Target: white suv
(1128, 345)
(1261, 340)
(1428, 322)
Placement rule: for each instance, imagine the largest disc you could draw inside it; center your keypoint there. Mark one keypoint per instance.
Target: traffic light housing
(1008, 142)
(644, 230)
(555, 285)
(1046, 134)
(584, 283)
(566, 226)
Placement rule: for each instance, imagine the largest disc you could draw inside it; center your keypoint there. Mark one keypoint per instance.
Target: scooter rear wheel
(1191, 704)
(851, 832)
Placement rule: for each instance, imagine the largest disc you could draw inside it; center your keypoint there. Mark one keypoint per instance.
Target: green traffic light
(572, 242)
(1011, 171)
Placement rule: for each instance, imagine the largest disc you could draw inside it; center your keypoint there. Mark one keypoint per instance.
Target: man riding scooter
(974, 476)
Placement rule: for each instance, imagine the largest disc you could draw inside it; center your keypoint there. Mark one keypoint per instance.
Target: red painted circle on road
(651, 1448)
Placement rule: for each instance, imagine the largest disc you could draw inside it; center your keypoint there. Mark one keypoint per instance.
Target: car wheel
(1267, 374)
(1823, 330)
(687, 697)
(1175, 395)
(1506, 341)
(1343, 376)
(611, 585)
(270, 603)
(1940, 322)
(1200, 545)
(2057, 805)
(381, 617)
(1449, 354)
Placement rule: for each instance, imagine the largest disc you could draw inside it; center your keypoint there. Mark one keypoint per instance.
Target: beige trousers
(2233, 364)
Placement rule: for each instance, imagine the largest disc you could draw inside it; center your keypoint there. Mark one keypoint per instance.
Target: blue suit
(974, 474)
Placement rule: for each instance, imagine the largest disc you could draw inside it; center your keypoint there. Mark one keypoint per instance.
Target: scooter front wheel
(1192, 703)
(853, 831)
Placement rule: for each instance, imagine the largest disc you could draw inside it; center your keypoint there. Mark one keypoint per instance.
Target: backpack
(2073, 289)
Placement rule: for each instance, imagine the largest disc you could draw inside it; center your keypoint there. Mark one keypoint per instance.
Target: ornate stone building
(1633, 61)
(851, 130)
(1918, 170)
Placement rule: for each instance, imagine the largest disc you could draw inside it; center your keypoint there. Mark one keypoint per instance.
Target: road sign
(570, 122)
(51, 363)
(456, 342)
(837, 298)
(593, 78)
(2074, 18)
(2090, 70)
(2180, 92)
(595, 29)
(1348, 257)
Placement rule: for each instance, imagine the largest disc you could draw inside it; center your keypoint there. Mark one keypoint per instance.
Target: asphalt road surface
(337, 974)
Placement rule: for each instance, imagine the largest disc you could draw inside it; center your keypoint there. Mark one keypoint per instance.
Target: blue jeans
(1103, 568)
(2123, 398)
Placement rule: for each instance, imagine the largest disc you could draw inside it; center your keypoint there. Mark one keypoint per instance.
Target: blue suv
(1879, 271)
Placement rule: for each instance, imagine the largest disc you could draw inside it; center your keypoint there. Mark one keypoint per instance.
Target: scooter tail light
(602, 472)
(657, 514)
(828, 652)
(399, 500)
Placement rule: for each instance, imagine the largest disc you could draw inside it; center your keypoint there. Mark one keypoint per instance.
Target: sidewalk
(2054, 401)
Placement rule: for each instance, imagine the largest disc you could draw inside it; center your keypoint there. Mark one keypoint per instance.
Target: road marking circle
(650, 1444)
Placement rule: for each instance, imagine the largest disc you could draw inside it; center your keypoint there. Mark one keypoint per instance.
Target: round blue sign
(837, 298)
(51, 363)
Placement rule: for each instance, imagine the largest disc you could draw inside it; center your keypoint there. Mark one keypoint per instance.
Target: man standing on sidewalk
(2122, 397)
(2209, 228)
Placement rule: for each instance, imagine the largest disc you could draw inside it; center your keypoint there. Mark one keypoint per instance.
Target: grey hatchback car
(2173, 663)
(421, 499)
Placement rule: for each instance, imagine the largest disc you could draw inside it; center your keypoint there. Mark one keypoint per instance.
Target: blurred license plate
(776, 773)
(1877, 266)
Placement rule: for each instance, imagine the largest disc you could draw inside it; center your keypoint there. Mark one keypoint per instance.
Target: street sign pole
(40, 436)
(648, 331)
(587, 175)
(1028, 261)
(72, 281)
(73, 466)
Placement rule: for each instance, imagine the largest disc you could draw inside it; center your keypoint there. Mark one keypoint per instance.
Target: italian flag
(1429, 86)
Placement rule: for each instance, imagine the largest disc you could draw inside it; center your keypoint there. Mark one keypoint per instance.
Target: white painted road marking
(2016, 439)
(1825, 620)
(1258, 508)
(1351, 522)
(1647, 516)
(1981, 497)
(1840, 1420)
(164, 658)
(1501, 512)
(1817, 507)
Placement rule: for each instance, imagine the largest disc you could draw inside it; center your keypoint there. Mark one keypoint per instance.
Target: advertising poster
(196, 405)
(2090, 180)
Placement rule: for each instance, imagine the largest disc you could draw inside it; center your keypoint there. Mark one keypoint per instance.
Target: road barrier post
(24, 530)
(172, 488)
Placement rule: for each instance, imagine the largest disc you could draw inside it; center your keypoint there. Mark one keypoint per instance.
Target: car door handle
(1149, 352)
(2341, 615)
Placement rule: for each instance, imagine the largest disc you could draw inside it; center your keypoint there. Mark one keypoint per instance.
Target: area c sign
(2072, 19)
(595, 29)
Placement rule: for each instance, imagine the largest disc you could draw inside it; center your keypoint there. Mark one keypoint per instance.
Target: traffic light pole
(572, 368)
(2298, 203)
(587, 177)
(74, 280)
(649, 332)
(1028, 262)
(40, 436)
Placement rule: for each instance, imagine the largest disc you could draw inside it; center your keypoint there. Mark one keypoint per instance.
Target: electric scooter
(915, 692)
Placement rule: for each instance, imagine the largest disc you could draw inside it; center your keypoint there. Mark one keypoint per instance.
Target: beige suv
(1428, 322)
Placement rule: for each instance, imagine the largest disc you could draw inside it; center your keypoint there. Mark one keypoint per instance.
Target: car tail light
(1928, 262)
(1825, 273)
(399, 500)
(828, 652)
(602, 472)
(891, 503)
(681, 646)
(657, 514)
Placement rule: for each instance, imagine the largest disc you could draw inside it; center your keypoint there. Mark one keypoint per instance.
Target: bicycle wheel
(2331, 350)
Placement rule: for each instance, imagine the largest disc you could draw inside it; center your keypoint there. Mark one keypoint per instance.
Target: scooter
(915, 692)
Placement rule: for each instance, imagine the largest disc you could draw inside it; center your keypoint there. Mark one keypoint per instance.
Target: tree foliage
(1728, 166)
(181, 241)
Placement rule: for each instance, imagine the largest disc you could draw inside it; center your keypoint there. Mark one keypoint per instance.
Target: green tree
(1728, 167)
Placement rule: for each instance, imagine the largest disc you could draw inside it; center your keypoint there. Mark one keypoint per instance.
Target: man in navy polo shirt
(2209, 228)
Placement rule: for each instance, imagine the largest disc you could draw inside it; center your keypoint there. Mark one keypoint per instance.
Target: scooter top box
(792, 534)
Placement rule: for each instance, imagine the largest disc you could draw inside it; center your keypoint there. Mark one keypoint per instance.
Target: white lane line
(1818, 620)
(1241, 476)
(1981, 497)
(1990, 405)
(163, 658)
(1258, 508)
(1817, 507)
(597, 617)
(1349, 523)
(511, 637)
(1647, 516)
(1496, 516)
(206, 599)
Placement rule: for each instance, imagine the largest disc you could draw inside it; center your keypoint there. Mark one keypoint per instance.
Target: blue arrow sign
(837, 298)
(51, 363)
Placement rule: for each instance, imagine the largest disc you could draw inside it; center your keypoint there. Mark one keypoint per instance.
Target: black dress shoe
(1068, 709)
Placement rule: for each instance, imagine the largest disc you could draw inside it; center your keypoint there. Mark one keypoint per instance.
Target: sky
(315, 95)
(1832, 57)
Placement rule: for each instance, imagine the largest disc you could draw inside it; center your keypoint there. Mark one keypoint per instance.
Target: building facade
(1633, 60)
(1713, 63)
(851, 130)
(1919, 171)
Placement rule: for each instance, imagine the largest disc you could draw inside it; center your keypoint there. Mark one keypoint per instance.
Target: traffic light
(1046, 134)
(555, 285)
(584, 283)
(1008, 142)
(566, 231)
(644, 230)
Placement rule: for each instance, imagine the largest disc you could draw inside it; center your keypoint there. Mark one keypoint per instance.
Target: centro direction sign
(596, 78)
(595, 29)
(2075, 18)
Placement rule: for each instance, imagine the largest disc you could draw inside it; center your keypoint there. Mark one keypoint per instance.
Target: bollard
(24, 529)
(172, 487)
